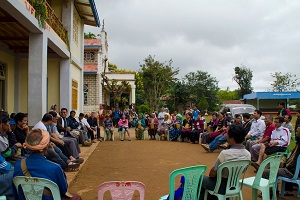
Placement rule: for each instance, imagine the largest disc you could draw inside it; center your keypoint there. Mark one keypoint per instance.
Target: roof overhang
(89, 72)
(272, 95)
(88, 12)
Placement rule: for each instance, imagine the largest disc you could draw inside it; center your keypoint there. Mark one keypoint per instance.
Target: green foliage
(40, 12)
(89, 35)
(143, 108)
(139, 91)
(225, 95)
(285, 82)
(200, 84)
(243, 77)
(112, 67)
(157, 77)
(203, 104)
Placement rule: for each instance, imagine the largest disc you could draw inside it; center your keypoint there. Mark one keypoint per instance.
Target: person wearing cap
(6, 170)
(37, 141)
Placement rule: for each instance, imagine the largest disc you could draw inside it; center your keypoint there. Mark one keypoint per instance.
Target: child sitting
(108, 127)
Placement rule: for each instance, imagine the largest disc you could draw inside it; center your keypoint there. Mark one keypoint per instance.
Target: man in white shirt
(161, 116)
(257, 129)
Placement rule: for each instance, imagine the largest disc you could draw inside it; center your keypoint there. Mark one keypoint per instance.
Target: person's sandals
(72, 167)
(255, 165)
(78, 160)
(287, 194)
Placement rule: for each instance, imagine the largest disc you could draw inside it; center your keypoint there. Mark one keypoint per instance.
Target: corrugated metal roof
(272, 95)
(88, 12)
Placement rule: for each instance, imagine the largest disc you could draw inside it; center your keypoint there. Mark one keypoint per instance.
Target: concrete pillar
(65, 84)
(37, 77)
(257, 104)
(17, 85)
(132, 94)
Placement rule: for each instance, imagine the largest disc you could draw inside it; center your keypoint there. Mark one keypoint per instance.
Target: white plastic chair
(33, 187)
(121, 190)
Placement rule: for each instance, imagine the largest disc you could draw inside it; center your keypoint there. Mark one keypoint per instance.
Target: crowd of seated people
(57, 137)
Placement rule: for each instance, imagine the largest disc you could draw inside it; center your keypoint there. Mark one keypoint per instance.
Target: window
(89, 56)
(74, 95)
(2, 71)
(75, 26)
(85, 94)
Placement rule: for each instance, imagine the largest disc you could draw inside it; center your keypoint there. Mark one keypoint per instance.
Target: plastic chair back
(33, 187)
(294, 180)
(121, 190)
(235, 169)
(274, 162)
(193, 180)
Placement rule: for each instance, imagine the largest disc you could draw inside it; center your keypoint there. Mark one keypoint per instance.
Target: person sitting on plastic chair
(108, 127)
(140, 125)
(36, 165)
(280, 139)
(290, 166)
(237, 151)
(123, 126)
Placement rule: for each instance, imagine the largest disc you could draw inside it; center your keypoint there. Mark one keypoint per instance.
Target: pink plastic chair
(121, 190)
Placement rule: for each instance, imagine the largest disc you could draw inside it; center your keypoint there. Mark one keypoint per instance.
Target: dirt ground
(147, 161)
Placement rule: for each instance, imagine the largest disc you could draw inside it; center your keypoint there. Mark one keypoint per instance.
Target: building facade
(95, 63)
(41, 54)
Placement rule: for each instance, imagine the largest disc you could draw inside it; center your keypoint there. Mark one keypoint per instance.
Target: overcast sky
(208, 35)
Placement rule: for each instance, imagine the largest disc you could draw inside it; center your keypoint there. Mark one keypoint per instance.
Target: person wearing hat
(6, 170)
(175, 131)
(36, 165)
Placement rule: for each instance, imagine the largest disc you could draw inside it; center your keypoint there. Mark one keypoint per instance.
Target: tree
(224, 95)
(157, 77)
(139, 90)
(89, 35)
(203, 104)
(200, 84)
(285, 82)
(243, 77)
(112, 67)
(115, 88)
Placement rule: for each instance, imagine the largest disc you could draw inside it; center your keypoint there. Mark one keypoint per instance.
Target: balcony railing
(54, 22)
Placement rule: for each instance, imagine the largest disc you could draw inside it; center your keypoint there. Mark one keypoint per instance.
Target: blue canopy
(272, 95)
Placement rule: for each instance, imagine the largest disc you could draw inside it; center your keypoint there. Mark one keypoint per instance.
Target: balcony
(53, 21)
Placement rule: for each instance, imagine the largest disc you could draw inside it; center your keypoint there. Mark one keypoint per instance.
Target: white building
(95, 61)
(43, 66)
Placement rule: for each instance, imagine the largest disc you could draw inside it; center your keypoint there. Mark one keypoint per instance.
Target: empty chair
(235, 169)
(121, 190)
(259, 183)
(295, 179)
(33, 187)
(193, 177)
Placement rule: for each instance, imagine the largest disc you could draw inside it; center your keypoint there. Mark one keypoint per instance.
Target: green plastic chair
(259, 183)
(235, 169)
(193, 181)
(109, 133)
(33, 187)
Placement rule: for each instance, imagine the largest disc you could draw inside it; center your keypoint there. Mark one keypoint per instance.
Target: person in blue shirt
(108, 127)
(195, 113)
(37, 141)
